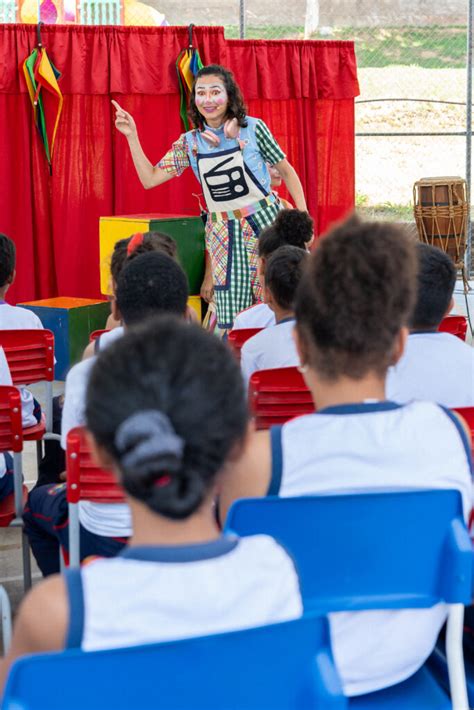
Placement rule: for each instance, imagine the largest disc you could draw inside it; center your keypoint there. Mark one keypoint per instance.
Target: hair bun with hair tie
(147, 443)
(135, 242)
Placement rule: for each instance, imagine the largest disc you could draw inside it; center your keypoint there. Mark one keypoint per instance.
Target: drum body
(440, 206)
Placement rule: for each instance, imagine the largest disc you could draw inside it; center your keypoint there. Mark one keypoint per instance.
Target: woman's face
(211, 98)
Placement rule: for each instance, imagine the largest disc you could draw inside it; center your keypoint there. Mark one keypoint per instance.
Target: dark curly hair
(293, 227)
(7, 259)
(436, 282)
(152, 241)
(357, 292)
(283, 274)
(153, 372)
(236, 108)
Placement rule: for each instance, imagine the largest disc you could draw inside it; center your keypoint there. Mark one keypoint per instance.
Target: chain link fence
(412, 60)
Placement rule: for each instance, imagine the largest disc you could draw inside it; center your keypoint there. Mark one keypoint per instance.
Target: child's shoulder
(17, 317)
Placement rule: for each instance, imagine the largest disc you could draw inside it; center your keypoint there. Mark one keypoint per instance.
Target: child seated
(150, 284)
(292, 227)
(16, 318)
(351, 309)
(436, 366)
(275, 346)
(125, 250)
(6, 460)
(169, 423)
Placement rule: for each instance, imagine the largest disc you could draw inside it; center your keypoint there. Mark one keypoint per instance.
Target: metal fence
(415, 63)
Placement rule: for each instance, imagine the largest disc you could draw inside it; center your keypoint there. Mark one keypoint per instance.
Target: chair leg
(39, 452)
(455, 658)
(74, 536)
(25, 545)
(6, 614)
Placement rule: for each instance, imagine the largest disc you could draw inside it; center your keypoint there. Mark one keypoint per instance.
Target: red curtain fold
(54, 220)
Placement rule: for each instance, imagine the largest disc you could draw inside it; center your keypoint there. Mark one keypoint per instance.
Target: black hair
(436, 282)
(151, 283)
(152, 241)
(7, 259)
(356, 294)
(167, 374)
(236, 108)
(283, 273)
(293, 227)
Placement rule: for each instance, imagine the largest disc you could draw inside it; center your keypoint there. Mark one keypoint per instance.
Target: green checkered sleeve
(267, 144)
(176, 159)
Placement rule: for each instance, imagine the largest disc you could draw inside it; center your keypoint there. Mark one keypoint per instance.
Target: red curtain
(307, 102)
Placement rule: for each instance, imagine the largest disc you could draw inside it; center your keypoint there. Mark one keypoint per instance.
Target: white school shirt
(258, 316)
(5, 379)
(434, 366)
(271, 348)
(109, 337)
(375, 446)
(16, 318)
(107, 519)
(150, 594)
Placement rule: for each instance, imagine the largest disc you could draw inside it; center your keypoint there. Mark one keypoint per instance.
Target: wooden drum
(441, 206)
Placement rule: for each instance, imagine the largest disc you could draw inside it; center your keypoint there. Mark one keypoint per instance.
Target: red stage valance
(303, 90)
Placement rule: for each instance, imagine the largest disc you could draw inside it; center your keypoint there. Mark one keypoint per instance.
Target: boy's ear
(12, 277)
(399, 345)
(100, 455)
(450, 306)
(301, 347)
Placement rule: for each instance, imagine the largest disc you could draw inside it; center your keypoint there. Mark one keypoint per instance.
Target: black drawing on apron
(226, 184)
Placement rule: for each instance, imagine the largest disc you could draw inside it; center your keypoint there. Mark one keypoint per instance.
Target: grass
(432, 47)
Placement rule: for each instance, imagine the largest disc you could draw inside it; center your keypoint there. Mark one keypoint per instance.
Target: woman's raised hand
(124, 121)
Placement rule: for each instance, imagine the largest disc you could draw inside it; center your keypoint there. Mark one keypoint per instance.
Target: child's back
(435, 366)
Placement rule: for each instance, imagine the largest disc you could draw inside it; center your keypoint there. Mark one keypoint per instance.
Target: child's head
(166, 403)
(150, 284)
(7, 261)
(282, 276)
(293, 227)
(355, 299)
(436, 282)
(131, 247)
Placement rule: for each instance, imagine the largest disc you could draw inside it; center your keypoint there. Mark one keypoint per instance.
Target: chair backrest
(97, 333)
(30, 355)
(85, 479)
(285, 666)
(237, 338)
(368, 550)
(11, 432)
(275, 396)
(456, 325)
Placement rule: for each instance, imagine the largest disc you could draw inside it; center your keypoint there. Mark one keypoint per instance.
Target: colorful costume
(236, 188)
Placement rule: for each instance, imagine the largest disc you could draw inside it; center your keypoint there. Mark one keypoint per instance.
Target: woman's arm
(41, 624)
(150, 175)
(293, 183)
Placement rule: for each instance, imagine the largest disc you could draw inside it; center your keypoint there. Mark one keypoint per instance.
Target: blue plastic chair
(286, 666)
(394, 550)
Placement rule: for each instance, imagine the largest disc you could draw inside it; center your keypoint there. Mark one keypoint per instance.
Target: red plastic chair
(275, 396)
(30, 357)
(237, 338)
(97, 333)
(11, 440)
(456, 325)
(85, 481)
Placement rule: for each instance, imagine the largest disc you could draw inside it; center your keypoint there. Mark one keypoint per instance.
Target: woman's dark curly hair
(236, 108)
(355, 296)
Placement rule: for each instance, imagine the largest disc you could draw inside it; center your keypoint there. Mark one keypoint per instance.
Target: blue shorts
(47, 526)
(6, 481)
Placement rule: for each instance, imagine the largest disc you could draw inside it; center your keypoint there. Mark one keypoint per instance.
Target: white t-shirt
(107, 519)
(258, 316)
(271, 348)
(109, 337)
(375, 446)
(17, 318)
(434, 366)
(150, 594)
(5, 379)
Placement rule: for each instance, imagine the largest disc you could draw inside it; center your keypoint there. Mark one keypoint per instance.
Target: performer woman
(228, 152)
